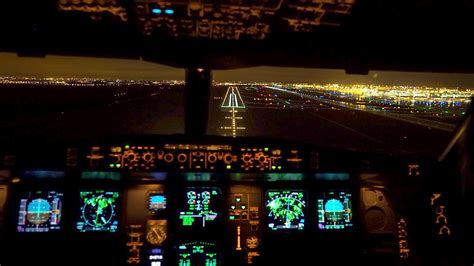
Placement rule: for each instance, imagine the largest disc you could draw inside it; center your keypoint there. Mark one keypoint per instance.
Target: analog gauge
(156, 231)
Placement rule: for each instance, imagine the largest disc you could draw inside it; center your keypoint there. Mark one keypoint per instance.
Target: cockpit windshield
(389, 112)
(393, 112)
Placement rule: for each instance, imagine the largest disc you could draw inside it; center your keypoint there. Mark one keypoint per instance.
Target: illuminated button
(243, 206)
(232, 206)
(237, 199)
(169, 11)
(156, 11)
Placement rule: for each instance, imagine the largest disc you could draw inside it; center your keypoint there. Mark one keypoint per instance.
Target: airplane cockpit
(228, 133)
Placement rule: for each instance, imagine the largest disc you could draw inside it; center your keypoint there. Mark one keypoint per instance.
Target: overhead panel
(224, 20)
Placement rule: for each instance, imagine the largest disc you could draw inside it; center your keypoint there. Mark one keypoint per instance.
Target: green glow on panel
(188, 221)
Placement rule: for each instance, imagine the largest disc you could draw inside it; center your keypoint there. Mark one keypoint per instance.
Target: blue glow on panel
(332, 176)
(169, 11)
(43, 174)
(333, 206)
(157, 176)
(156, 202)
(156, 11)
(160, 176)
(156, 251)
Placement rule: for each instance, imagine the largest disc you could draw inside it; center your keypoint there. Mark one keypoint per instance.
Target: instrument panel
(228, 202)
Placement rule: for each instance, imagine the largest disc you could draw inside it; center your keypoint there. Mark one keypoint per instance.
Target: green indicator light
(111, 165)
(188, 221)
(198, 249)
(232, 217)
(228, 166)
(118, 165)
(265, 149)
(274, 167)
(279, 167)
(127, 146)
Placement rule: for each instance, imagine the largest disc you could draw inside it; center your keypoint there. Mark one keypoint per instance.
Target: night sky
(68, 66)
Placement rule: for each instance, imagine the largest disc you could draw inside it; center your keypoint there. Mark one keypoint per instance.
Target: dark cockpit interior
(261, 172)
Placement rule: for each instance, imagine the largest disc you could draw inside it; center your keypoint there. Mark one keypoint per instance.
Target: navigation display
(200, 208)
(98, 212)
(40, 211)
(285, 209)
(335, 210)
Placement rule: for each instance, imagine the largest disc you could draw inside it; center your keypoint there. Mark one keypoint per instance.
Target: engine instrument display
(40, 211)
(200, 206)
(194, 253)
(285, 209)
(335, 210)
(98, 212)
(156, 201)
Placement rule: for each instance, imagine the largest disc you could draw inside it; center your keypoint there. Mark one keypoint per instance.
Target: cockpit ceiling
(226, 20)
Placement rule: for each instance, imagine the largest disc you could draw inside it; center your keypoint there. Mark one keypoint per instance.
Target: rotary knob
(130, 155)
(147, 157)
(247, 158)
